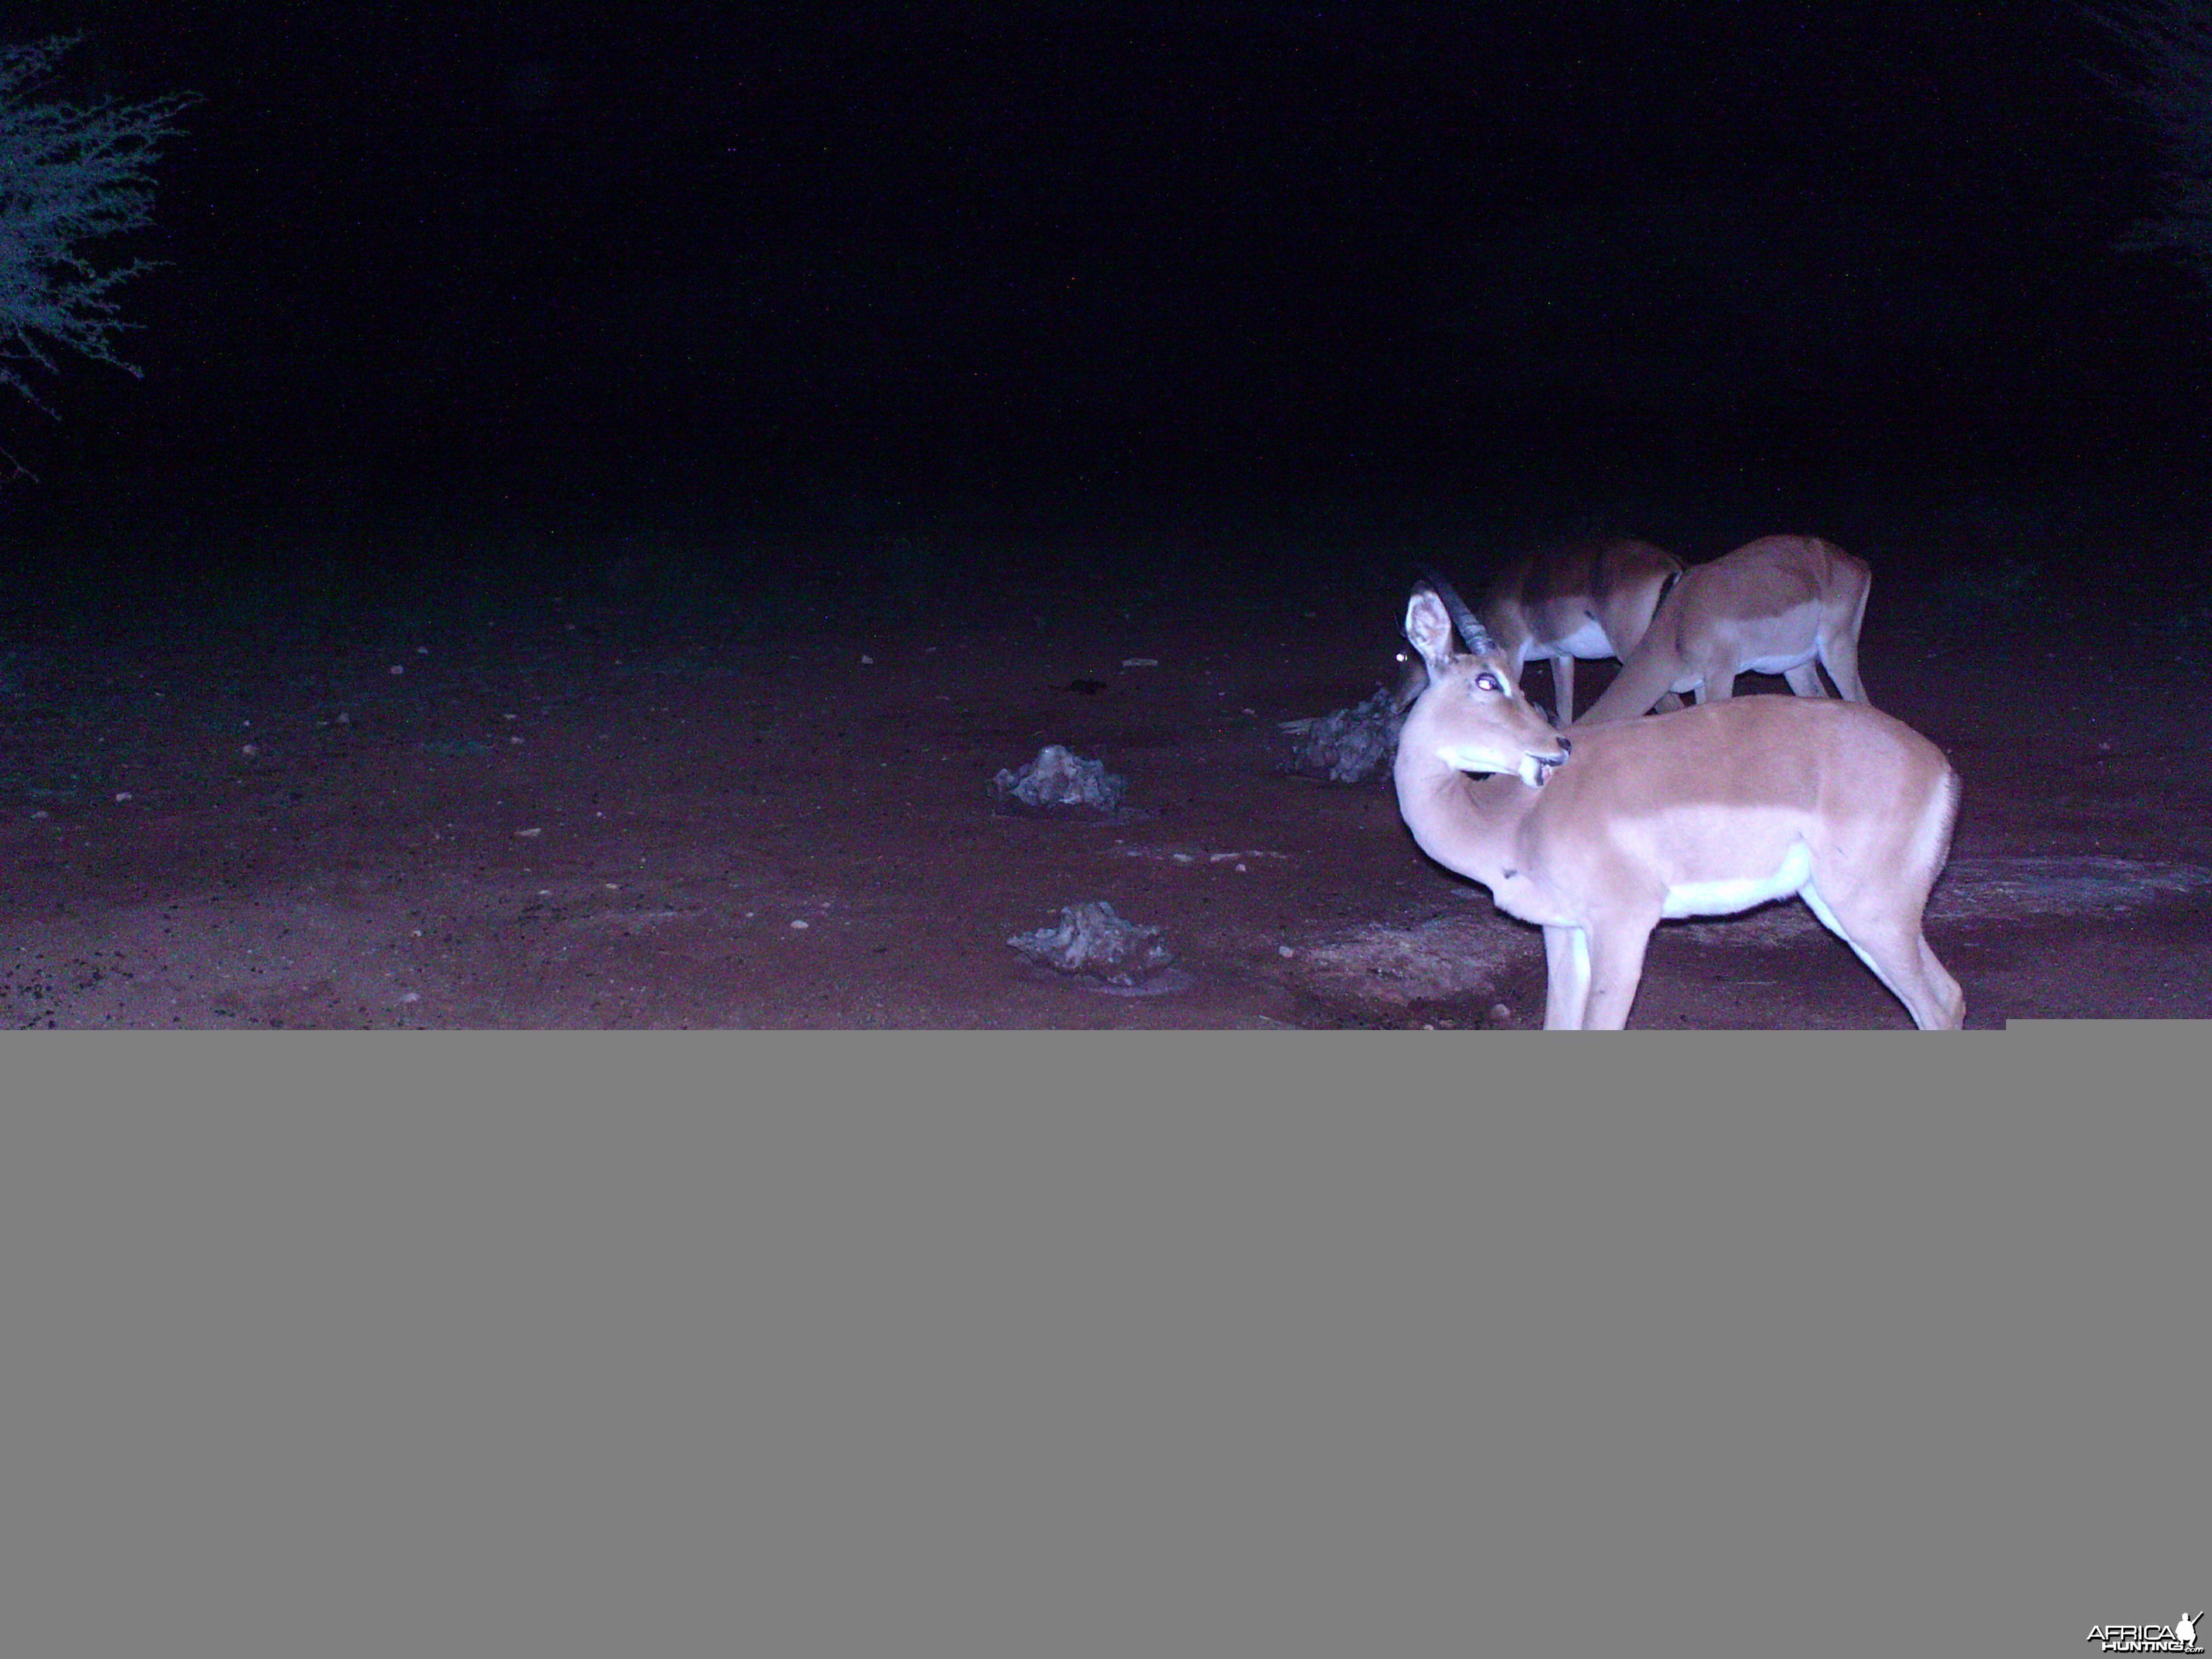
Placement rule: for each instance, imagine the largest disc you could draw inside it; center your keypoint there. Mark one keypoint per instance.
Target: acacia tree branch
(71, 176)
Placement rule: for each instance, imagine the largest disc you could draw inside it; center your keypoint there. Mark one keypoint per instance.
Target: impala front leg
(1616, 968)
(1566, 978)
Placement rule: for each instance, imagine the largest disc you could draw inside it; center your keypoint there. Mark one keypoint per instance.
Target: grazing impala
(1778, 606)
(1590, 599)
(1599, 836)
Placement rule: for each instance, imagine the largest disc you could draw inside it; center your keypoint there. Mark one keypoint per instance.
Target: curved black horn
(1472, 632)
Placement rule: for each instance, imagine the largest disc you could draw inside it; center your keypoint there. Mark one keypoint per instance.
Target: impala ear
(1472, 635)
(1428, 629)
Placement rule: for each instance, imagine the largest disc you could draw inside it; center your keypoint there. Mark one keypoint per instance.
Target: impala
(1590, 599)
(1708, 810)
(1778, 606)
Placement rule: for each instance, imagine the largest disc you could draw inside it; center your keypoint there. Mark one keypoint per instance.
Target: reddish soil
(608, 805)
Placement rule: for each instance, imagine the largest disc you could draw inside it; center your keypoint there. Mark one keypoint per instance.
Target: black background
(597, 260)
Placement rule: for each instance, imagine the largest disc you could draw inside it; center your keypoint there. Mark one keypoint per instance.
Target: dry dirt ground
(609, 804)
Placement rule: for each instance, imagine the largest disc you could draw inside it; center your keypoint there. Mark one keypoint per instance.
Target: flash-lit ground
(683, 783)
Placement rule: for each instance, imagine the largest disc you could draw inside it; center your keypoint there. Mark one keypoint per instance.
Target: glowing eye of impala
(1487, 683)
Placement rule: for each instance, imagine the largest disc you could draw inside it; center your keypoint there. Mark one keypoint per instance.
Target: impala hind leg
(1805, 680)
(1839, 649)
(1896, 951)
(1839, 655)
(1563, 692)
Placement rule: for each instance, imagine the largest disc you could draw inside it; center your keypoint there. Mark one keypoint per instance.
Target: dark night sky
(961, 237)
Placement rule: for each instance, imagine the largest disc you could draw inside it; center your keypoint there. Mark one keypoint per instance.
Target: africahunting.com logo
(2179, 1637)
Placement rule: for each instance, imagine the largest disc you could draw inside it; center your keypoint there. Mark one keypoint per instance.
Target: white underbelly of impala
(1588, 643)
(1780, 663)
(1725, 899)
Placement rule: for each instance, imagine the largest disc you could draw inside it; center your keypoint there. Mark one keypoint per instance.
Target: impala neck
(1464, 824)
